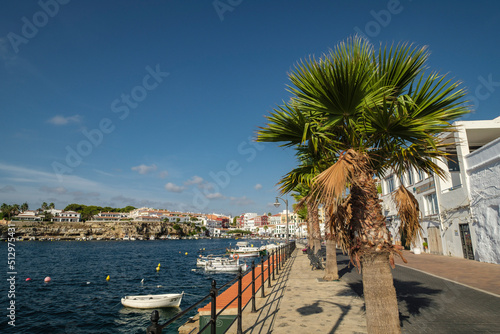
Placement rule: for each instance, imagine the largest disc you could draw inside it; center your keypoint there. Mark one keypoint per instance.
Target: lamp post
(277, 204)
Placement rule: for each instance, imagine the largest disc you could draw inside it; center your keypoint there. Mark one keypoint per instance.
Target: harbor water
(79, 299)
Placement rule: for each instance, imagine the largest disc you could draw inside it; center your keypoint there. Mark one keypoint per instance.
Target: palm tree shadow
(315, 309)
(413, 298)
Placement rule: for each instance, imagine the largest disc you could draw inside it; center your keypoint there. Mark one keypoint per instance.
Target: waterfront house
(67, 216)
(450, 225)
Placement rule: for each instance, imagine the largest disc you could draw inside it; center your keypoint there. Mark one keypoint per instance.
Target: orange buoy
(47, 279)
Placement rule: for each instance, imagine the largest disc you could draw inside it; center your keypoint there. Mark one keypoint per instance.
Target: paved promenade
(299, 302)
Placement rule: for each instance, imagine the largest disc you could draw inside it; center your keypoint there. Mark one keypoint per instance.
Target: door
(435, 244)
(466, 241)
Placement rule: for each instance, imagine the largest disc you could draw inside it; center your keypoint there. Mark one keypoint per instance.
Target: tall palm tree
(6, 210)
(24, 206)
(377, 112)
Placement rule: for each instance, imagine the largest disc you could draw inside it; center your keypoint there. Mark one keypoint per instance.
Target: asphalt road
(428, 304)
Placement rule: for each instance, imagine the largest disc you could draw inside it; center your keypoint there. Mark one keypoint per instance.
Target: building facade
(445, 204)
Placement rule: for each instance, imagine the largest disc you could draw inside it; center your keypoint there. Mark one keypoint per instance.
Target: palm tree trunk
(382, 315)
(372, 247)
(316, 231)
(331, 270)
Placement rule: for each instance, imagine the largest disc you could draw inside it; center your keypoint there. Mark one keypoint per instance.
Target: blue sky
(156, 103)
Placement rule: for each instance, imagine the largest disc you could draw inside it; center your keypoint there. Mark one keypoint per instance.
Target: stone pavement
(299, 302)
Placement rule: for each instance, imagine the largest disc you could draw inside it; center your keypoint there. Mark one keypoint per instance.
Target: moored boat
(225, 265)
(215, 259)
(153, 301)
(243, 249)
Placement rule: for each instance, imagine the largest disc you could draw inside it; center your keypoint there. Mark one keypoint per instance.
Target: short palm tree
(377, 112)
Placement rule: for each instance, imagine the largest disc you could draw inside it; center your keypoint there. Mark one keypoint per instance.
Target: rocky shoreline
(92, 230)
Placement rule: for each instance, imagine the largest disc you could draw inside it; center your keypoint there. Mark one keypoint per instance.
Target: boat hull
(153, 301)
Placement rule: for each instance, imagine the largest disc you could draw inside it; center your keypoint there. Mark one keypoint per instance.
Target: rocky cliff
(101, 230)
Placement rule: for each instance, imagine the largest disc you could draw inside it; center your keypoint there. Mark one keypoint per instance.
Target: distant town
(81, 222)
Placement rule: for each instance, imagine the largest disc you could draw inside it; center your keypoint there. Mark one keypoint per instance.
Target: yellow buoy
(157, 268)
(159, 265)
(107, 278)
(186, 253)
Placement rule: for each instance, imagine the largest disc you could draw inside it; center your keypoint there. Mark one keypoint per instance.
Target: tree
(14, 209)
(377, 112)
(6, 210)
(24, 207)
(52, 206)
(44, 206)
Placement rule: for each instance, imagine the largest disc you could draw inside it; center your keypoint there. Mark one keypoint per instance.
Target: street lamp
(277, 204)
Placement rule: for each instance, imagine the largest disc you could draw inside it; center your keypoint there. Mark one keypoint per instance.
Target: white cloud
(174, 188)
(258, 186)
(143, 169)
(214, 196)
(163, 174)
(194, 180)
(61, 120)
(241, 201)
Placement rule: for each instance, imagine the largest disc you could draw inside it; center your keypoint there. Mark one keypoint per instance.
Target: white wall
(484, 174)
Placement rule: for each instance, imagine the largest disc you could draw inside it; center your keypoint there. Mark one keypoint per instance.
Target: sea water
(79, 299)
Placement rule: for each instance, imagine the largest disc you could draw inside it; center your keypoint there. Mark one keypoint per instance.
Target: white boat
(126, 237)
(214, 260)
(244, 250)
(269, 247)
(225, 266)
(153, 301)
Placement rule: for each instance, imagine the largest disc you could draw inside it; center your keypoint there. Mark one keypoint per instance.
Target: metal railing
(275, 261)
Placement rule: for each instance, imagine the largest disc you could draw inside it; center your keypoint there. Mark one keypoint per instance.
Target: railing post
(279, 259)
(262, 293)
(240, 319)
(213, 311)
(155, 328)
(269, 270)
(274, 263)
(254, 309)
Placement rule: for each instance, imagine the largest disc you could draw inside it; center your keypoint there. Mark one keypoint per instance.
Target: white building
(483, 170)
(28, 216)
(67, 216)
(445, 204)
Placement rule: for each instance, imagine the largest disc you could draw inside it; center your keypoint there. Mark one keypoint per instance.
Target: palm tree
(24, 206)
(6, 210)
(377, 112)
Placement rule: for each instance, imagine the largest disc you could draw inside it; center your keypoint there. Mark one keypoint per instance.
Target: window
(452, 161)
(409, 177)
(431, 204)
(421, 174)
(390, 184)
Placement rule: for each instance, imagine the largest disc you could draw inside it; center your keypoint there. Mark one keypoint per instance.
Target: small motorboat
(225, 266)
(243, 249)
(201, 261)
(153, 301)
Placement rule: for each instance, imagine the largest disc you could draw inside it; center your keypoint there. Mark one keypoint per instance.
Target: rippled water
(80, 300)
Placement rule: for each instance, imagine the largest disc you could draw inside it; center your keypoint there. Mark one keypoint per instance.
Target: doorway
(466, 241)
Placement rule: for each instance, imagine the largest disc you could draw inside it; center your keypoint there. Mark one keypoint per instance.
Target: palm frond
(408, 210)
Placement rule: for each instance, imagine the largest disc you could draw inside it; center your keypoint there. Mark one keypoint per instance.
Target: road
(428, 304)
